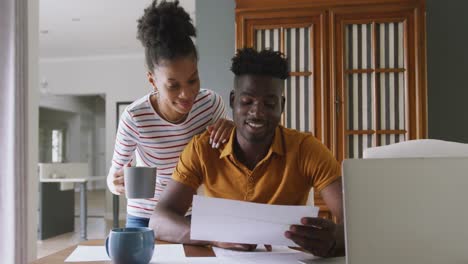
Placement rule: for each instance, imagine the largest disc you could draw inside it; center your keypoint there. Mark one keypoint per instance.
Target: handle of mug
(107, 247)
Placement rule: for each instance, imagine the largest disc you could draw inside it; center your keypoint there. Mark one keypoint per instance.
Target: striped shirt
(155, 142)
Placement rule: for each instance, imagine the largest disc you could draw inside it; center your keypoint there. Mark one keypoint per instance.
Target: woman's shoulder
(139, 106)
(205, 96)
(208, 93)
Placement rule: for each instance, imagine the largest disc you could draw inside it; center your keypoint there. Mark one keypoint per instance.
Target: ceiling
(88, 28)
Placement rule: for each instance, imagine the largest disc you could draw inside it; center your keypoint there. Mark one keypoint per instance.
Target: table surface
(83, 179)
(59, 257)
(61, 180)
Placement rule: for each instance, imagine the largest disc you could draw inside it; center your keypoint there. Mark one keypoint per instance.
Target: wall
(447, 69)
(216, 44)
(60, 103)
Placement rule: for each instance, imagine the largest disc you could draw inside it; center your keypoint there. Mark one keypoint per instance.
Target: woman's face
(177, 83)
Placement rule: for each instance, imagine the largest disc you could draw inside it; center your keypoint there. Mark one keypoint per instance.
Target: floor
(98, 228)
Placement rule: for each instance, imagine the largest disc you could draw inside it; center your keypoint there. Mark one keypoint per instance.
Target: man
(262, 162)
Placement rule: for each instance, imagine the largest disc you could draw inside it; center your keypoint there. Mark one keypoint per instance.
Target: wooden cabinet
(358, 67)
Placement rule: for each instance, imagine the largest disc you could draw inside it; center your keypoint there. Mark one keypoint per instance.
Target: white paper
(283, 258)
(215, 219)
(166, 253)
(221, 252)
(88, 253)
(197, 260)
(260, 258)
(174, 254)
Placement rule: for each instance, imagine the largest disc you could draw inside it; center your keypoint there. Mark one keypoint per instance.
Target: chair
(419, 148)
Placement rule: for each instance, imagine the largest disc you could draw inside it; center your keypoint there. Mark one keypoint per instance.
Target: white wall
(60, 103)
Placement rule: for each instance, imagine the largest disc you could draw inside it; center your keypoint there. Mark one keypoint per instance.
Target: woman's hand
(118, 181)
(220, 132)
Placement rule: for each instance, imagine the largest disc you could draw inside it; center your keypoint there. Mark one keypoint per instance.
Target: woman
(158, 126)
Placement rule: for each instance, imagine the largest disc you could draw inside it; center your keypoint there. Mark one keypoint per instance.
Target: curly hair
(265, 62)
(165, 30)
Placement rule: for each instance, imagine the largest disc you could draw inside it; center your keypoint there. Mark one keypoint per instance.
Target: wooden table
(59, 257)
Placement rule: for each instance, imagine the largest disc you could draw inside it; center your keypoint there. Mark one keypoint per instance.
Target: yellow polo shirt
(295, 162)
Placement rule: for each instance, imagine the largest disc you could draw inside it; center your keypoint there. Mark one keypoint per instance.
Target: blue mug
(130, 245)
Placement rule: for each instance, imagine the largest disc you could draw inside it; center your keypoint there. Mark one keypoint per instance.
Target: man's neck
(251, 153)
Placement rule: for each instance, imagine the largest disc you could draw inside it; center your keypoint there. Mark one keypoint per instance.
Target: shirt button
(250, 179)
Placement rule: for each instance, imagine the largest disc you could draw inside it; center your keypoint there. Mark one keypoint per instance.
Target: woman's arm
(124, 147)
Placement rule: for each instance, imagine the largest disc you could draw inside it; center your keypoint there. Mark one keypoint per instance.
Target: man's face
(257, 104)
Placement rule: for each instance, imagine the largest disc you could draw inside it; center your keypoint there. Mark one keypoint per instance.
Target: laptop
(412, 210)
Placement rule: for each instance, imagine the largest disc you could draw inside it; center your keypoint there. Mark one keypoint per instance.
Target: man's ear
(151, 80)
(231, 99)
(283, 102)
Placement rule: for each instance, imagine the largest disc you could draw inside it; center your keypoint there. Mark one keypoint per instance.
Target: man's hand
(319, 236)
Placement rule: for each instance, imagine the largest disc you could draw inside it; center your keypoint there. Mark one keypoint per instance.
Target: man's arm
(333, 198)
(168, 221)
(332, 195)
(319, 236)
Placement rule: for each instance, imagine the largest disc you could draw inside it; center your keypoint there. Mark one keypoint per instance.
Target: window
(57, 145)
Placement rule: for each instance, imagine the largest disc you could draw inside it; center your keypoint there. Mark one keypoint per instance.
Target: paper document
(215, 219)
(162, 253)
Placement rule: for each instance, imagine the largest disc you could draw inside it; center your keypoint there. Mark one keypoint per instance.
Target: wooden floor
(98, 227)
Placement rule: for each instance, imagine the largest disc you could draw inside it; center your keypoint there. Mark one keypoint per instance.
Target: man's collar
(276, 146)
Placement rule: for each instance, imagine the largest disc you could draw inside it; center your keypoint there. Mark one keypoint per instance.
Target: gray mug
(140, 182)
(133, 245)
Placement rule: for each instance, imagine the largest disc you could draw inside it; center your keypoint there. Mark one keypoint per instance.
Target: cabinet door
(377, 96)
(301, 40)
